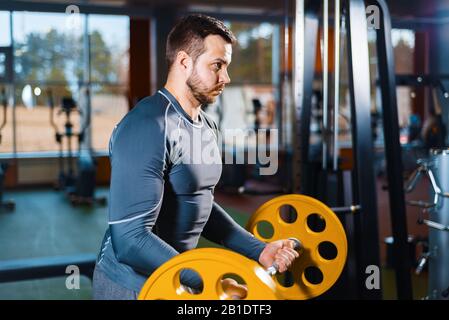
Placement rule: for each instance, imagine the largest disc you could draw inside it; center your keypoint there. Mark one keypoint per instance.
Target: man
(165, 164)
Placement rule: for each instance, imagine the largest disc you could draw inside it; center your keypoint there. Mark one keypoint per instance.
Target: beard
(200, 91)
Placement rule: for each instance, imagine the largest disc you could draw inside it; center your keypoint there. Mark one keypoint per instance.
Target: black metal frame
(366, 242)
(39, 268)
(303, 108)
(422, 80)
(362, 227)
(393, 152)
(133, 11)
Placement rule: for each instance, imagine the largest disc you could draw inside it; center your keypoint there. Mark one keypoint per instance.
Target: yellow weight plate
(211, 264)
(315, 263)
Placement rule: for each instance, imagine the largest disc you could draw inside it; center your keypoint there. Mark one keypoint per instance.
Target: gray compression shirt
(164, 167)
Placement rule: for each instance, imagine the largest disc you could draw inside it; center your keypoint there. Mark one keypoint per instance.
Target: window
(6, 142)
(46, 49)
(5, 31)
(109, 105)
(252, 54)
(404, 48)
(48, 58)
(109, 45)
(50, 61)
(6, 133)
(248, 103)
(403, 42)
(2, 65)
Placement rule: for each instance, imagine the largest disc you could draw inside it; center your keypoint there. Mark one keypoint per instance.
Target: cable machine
(359, 211)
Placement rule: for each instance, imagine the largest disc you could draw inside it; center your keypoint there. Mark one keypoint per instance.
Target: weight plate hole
(285, 279)
(327, 250)
(313, 275)
(231, 286)
(265, 229)
(190, 277)
(288, 213)
(316, 222)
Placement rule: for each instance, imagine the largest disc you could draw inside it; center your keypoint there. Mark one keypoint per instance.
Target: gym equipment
(323, 254)
(211, 264)
(421, 264)
(321, 234)
(436, 167)
(80, 188)
(363, 226)
(65, 179)
(8, 205)
(39, 268)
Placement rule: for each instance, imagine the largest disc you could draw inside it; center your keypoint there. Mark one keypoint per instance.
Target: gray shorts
(106, 289)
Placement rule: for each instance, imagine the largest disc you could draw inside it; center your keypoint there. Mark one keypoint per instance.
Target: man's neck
(185, 99)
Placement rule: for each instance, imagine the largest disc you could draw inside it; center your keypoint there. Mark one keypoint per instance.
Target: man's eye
(217, 65)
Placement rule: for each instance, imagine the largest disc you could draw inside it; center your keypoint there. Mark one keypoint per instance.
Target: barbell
(322, 258)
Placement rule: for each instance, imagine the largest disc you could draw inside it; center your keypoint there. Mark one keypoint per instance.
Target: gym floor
(45, 225)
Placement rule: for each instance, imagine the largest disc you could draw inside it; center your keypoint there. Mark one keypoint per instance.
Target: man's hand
(281, 252)
(233, 289)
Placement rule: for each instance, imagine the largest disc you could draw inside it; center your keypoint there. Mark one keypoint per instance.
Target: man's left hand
(281, 252)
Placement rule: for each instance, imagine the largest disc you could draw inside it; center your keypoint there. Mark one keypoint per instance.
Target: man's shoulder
(151, 105)
(147, 114)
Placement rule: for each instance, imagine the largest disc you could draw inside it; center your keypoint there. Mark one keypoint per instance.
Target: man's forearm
(223, 230)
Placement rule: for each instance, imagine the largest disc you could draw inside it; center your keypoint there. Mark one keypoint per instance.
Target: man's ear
(184, 60)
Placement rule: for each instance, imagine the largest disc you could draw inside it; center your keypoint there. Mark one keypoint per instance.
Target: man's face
(210, 71)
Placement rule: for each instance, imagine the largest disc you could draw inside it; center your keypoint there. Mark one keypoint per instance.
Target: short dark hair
(189, 34)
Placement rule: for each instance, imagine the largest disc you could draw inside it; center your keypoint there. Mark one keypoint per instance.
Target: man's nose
(224, 77)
